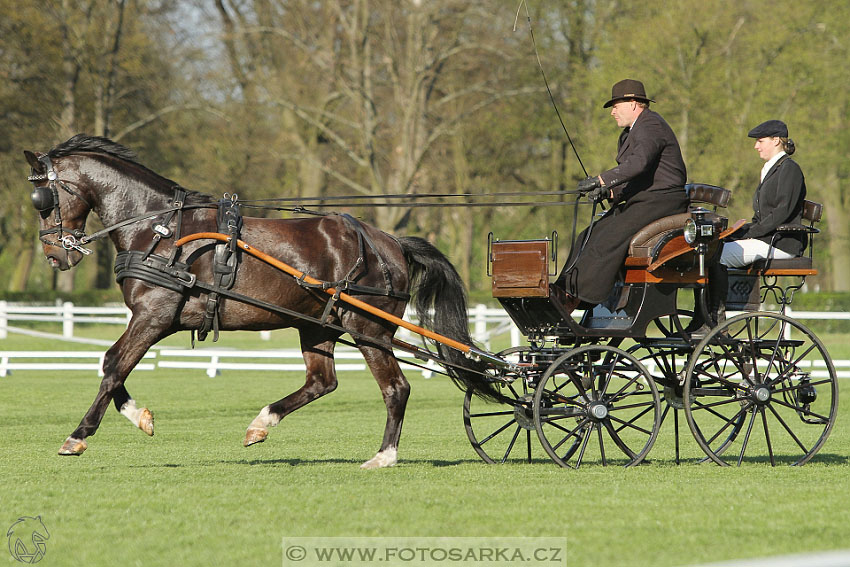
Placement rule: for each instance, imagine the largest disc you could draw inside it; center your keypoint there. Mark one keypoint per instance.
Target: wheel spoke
(643, 413)
(601, 447)
(788, 429)
(492, 435)
(569, 433)
(767, 438)
(583, 447)
(511, 444)
(619, 441)
(798, 409)
(629, 424)
(747, 438)
(492, 413)
(729, 421)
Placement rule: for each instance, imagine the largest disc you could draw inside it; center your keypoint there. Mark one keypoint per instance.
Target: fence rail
(485, 322)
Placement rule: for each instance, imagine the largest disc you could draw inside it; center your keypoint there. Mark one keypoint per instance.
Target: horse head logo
(28, 539)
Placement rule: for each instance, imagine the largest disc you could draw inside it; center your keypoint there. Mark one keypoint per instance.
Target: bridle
(46, 198)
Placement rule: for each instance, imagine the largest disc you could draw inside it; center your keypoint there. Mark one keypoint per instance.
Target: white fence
(485, 323)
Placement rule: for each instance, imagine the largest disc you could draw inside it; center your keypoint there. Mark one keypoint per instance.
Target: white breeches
(741, 253)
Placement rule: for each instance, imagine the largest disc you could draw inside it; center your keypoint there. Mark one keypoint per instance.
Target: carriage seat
(745, 294)
(649, 240)
(801, 265)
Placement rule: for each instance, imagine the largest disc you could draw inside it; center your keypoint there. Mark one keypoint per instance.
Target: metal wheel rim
(631, 423)
(776, 424)
(507, 431)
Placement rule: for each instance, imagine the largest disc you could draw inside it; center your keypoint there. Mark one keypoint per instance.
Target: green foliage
(303, 98)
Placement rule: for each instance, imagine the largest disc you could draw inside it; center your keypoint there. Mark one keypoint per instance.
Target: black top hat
(769, 129)
(627, 89)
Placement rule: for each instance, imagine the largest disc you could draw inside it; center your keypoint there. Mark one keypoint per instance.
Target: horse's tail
(440, 299)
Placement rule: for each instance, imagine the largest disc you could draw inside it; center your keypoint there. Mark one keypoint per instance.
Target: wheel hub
(598, 411)
(523, 413)
(761, 394)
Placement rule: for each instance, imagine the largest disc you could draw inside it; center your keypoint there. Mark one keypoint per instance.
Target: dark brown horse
(144, 212)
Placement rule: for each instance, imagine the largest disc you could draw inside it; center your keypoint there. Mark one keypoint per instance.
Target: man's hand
(585, 186)
(598, 194)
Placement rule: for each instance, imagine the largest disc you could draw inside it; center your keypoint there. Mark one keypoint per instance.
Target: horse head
(63, 208)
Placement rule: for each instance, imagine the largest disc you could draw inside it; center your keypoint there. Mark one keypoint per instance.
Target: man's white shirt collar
(770, 163)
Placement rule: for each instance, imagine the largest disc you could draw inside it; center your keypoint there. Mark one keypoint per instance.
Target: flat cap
(769, 129)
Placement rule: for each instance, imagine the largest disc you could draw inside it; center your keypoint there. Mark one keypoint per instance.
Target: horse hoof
(255, 435)
(386, 458)
(146, 421)
(73, 446)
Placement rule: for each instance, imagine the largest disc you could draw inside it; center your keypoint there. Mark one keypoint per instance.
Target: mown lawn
(192, 495)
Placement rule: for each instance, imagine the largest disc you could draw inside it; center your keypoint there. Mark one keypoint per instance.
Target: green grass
(192, 495)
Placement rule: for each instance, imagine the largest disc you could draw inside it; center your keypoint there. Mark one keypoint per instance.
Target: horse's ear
(32, 159)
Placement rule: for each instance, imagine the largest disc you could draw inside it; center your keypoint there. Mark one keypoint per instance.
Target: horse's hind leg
(318, 351)
(395, 390)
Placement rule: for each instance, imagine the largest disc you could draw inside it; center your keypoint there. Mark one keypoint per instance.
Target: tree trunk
(839, 231)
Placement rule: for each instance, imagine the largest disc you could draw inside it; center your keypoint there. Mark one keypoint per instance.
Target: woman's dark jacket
(778, 200)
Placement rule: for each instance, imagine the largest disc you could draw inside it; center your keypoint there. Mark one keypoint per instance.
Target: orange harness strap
(330, 291)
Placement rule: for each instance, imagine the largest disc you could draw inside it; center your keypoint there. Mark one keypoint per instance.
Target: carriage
(758, 386)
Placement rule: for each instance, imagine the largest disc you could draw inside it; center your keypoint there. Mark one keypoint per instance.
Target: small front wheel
(597, 404)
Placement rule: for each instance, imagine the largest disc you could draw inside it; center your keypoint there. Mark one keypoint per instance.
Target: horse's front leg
(118, 361)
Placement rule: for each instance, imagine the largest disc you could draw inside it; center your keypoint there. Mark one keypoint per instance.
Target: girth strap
(225, 262)
(153, 269)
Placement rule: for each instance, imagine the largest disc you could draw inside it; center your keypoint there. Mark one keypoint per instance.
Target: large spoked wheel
(597, 405)
(501, 432)
(760, 386)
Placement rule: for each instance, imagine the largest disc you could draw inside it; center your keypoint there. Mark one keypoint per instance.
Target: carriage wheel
(593, 399)
(760, 384)
(501, 432)
(667, 364)
(673, 326)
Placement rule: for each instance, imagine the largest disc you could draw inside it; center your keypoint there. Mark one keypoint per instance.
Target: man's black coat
(647, 184)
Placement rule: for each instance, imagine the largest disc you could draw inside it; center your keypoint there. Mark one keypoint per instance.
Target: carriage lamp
(806, 393)
(698, 232)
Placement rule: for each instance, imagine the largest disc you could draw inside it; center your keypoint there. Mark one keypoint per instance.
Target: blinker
(43, 198)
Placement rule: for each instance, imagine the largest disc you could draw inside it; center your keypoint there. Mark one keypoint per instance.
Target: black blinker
(42, 198)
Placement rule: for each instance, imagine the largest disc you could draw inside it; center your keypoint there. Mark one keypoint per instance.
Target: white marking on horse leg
(264, 420)
(386, 458)
(259, 428)
(140, 417)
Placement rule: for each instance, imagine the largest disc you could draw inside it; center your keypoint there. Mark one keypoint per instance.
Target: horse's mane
(98, 144)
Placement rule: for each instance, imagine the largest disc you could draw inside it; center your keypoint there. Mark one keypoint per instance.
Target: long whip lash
(545, 81)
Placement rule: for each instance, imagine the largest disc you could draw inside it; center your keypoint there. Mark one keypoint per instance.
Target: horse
(162, 283)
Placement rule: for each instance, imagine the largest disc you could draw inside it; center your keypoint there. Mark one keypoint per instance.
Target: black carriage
(759, 386)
